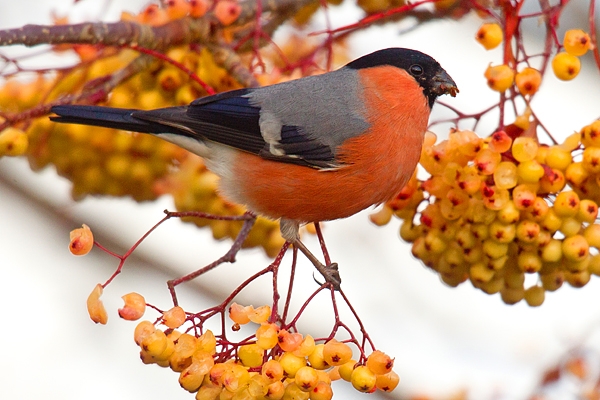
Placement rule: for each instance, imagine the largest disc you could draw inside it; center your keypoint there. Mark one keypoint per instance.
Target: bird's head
(430, 75)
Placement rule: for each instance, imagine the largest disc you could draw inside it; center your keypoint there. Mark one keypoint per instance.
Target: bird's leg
(290, 232)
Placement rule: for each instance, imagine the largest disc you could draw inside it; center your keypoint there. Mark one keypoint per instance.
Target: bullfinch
(313, 149)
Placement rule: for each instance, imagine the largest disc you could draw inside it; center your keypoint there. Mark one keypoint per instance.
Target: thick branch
(181, 31)
(111, 34)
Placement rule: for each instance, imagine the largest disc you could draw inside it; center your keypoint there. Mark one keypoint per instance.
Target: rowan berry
(566, 66)
(489, 35)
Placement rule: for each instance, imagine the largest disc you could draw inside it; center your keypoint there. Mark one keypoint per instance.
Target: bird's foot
(330, 272)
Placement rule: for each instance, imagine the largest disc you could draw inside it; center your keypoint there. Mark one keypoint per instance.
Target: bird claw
(331, 274)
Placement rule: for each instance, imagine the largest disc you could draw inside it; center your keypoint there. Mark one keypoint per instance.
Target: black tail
(118, 118)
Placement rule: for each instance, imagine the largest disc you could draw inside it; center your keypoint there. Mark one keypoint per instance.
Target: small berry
(534, 296)
(13, 142)
(227, 11)
(289, 341)
(142, 330)
(336, 353)
(306, 378)
(81, 241)
(198, 8)
(500, 142)
(499, 77)
(387, 382)
(95, 307)
(174, 318)
(528, 81)
(576, 42)
(363, 379)
(379, 362)
(566, 66)
(260, 314)
(177, 9)
(317, 359)
(240, 314)
(272, 370)
(489, 35)
(322, 391)
(267, 336)
(134, 308)
(291, 363)
(251, 355)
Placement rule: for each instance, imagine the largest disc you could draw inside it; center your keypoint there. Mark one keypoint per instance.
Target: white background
(444, 340)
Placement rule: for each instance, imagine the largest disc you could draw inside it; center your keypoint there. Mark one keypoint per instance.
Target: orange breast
(379, 162)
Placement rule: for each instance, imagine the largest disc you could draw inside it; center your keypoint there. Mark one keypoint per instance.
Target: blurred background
(447, 341)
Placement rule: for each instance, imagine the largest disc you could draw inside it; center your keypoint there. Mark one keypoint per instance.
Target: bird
(314, 149)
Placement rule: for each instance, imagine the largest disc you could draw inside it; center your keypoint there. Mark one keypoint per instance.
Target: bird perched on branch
(314, 149)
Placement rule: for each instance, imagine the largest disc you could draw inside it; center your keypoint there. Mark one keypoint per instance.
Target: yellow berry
(306, 378)
(588, 211)
(529, 262)
(534, 296)
(566, 66)
(499, 77)
(291, 363)
(251, 355)
(524, 149)
(275, 391)
(267, 336)
(260, 314)
(235, 377)
(306, 347)
(155, 343)
(207, 342)
(576, 42)
(363, 379)
(13, 142)
(575, 248)
(346, 369)
(566, 204)
(142, 330)
(530, 171)
(191, 378)
(552, 252)
(489, 35)
(293, 392)
(317, 359)
(590, 134)
(208, 392)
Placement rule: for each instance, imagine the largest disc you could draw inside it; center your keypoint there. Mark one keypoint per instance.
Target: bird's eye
(416, 70)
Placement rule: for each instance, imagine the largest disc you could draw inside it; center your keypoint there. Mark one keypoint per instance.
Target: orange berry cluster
(274, 364)
(495, 210)
(225, 11)
(565, 64)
